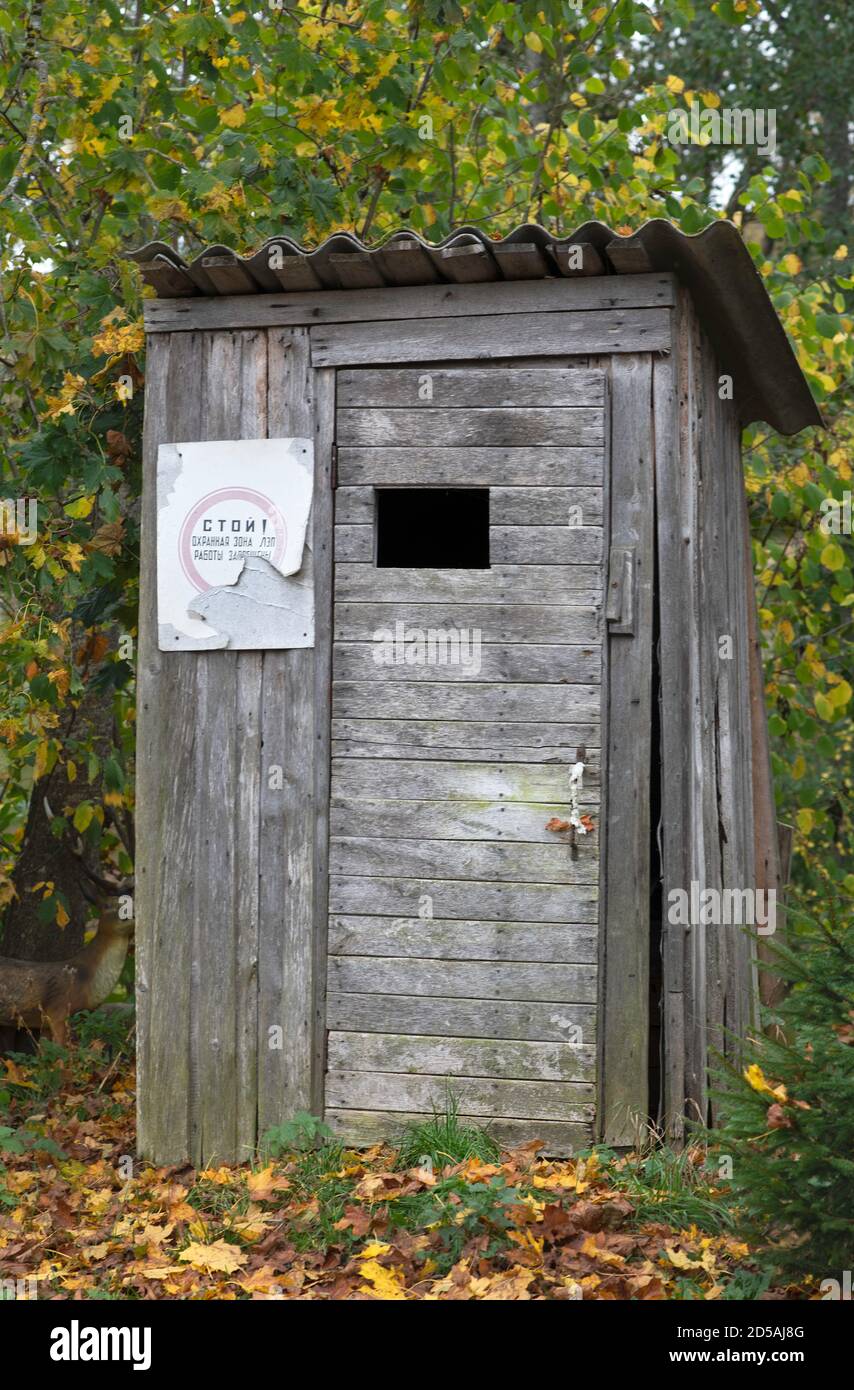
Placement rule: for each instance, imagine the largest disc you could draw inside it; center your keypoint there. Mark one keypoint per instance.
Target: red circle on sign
(234, 494)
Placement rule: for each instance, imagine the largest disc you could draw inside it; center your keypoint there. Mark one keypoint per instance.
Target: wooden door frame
(622, 1098)
(627, 770)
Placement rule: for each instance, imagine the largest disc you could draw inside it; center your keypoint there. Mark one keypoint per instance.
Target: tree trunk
(44, 858)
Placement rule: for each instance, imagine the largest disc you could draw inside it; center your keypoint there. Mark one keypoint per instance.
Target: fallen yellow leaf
(218, 1256)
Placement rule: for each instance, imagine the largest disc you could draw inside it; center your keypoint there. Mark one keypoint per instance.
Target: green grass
(667, 1186)
(444, 1140)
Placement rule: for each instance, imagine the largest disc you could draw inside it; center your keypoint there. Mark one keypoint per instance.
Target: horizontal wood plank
(435, 301)
(508, 506)
(565, 624)
(455, 820)
(453, 1057)
(466, 1017)
(482, 1096)
(438, 428)
(421, 977)
(548, 584)
(492, 336)
(490, 902)
(456, 387)
(509, 861)
(458, 781)
(364, 1128)
(455, 940)
(476, 467)
(449, 739)
(400, 747)
(437, 700)
(508, 545)
(570, 665)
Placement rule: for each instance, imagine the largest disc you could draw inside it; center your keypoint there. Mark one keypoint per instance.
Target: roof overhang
(714, 265)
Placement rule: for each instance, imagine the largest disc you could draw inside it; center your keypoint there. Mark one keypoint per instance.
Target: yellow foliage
(217, 1256)
(755, 1077)
(382, 1283)
(234, 117)
(64, 403)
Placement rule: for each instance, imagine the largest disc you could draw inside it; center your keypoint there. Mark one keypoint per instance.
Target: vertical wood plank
(743, 978)
(770, 870)
(289, 830)
(324, 559)
(626, 1016)
(671, 393)
(247, 810)
(707, 753)
(702, 825)
(164, 787)
(226, 915)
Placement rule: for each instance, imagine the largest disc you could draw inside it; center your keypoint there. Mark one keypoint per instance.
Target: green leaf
(833, 556)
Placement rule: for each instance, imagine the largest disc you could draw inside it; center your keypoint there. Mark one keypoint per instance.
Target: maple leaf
(73, 556)
(377, 1187)
(107, 539)
(264, 1184)
(155, 1235)
(557, 824)
(264, 1282)
(218, 1256)
(221, 1176)
(382, 1283)
(355, 1219)
(595, 1248)
(503, 1288)
(681, 1260)
(755, 1077)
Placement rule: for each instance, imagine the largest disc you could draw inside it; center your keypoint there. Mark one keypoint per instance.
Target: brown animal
(39, 994)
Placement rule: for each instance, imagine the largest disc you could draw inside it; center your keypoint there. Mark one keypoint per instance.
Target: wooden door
(463, 933)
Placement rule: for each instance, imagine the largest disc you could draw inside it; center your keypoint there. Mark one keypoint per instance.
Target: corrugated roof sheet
(715, 265)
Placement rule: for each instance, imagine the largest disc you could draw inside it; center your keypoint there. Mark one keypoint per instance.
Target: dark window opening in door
(433, 528)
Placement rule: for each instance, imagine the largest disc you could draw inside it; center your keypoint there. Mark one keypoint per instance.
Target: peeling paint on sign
(234, 565)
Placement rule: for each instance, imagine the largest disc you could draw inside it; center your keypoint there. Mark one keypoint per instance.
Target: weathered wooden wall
(231, 872)
(707, 824)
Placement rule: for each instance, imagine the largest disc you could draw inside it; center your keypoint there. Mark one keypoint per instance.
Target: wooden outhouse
(412, 819)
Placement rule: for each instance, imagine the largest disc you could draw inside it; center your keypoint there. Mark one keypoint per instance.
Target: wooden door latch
(621, 601)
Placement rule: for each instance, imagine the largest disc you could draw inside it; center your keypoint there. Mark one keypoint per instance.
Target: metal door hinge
(620, 605)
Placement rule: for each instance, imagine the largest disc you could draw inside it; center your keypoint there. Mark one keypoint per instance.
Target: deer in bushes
(44, 994)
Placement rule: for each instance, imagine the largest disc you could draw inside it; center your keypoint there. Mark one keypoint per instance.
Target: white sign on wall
(234, 565)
